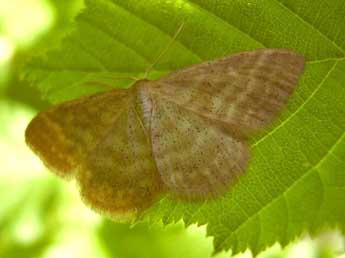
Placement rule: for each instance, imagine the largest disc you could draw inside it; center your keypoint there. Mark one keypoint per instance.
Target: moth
(185, 134)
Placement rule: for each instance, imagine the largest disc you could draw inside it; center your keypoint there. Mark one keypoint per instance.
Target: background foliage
(296, 179)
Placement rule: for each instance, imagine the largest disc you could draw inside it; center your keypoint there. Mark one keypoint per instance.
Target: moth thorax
(144, 106)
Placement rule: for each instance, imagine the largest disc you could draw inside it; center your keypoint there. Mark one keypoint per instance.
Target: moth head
(141, 82)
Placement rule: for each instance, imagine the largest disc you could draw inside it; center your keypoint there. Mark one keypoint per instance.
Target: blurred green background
(43, 216)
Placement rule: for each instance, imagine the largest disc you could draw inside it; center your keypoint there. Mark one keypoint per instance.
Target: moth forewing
(184, 133)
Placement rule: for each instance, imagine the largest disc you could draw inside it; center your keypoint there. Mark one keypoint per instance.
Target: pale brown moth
(185, 133)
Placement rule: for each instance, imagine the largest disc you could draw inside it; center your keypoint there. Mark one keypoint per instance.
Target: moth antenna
(109, 85)
(131, 78)
(148, 70)
(105, 84)
(125, 78)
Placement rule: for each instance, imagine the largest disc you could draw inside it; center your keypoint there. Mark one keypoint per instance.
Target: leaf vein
(282, 194)
(310, 25)
(113, 37)
(158, 28)
(210, 13)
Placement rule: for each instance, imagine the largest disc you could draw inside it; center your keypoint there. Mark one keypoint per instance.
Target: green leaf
(146, 241)
(296, 178)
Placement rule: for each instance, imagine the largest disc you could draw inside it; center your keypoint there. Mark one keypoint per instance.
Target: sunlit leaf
(146, 241)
